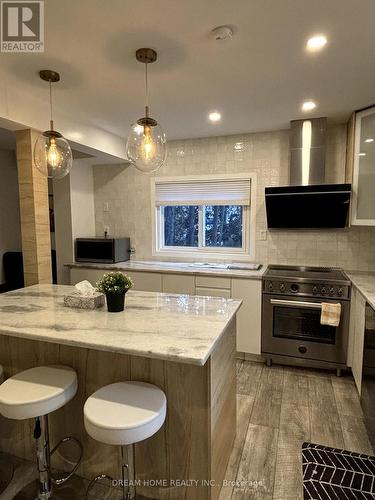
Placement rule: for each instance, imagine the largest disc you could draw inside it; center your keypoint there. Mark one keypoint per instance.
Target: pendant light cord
(146, 79)
(50, 104)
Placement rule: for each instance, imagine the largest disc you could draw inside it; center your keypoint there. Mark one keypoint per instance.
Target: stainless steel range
(291, 310)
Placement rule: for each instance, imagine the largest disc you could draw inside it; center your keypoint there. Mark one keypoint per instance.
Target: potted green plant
(114, 286)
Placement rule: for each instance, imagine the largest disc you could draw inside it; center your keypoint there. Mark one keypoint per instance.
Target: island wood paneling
(195, 442)
(223, 405)
(34, 212)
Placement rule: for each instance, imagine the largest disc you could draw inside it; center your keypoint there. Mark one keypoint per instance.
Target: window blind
(203, 192)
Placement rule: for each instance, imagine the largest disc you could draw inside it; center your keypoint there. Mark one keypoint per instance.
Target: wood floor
(278, 409)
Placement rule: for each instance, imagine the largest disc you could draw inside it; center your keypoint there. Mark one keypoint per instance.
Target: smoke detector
(225, 32)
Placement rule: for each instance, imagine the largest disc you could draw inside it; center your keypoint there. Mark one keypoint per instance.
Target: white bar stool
(35, 393)
(6, 468)
(123, 414)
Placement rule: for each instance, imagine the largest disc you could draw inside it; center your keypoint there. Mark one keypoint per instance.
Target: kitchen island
(183, 344)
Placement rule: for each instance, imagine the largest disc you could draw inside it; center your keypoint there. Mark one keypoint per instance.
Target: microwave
(105, 250)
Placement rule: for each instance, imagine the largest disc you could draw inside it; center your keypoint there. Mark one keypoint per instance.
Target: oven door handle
(296, 303)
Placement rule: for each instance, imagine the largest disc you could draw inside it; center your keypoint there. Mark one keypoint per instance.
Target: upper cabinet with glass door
(363, 200)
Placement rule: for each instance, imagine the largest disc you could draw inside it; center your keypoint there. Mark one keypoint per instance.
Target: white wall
(82, 199)
(74, 213)
(10, 227)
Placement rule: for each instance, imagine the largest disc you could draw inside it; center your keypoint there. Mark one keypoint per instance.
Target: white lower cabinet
(249, 315)
(148, 282)
(213, 292)
(179, 283)
(213, 282)
(357, 336)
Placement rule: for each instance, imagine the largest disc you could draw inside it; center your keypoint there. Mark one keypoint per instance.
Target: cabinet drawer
(146, 282)
(213, 282)
(178, 283)
(213, 292)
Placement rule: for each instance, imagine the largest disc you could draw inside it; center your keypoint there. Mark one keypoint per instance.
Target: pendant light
(52, 153)
(146, 147)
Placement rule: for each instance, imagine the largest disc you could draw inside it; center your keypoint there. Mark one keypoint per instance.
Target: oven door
(291, 327)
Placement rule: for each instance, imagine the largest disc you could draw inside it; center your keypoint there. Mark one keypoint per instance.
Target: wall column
(34, 211)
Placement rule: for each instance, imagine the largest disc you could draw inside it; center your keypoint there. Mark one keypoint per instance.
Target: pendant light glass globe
(52, 155)
(146, 147)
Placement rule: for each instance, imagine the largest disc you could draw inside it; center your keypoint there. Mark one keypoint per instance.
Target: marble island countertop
(172, 267)
(365, 284)
(172, 327)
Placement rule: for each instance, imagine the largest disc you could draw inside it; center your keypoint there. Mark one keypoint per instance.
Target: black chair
(13, 270)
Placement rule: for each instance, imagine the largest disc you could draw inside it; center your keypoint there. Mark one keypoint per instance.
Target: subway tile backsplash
(128, 193)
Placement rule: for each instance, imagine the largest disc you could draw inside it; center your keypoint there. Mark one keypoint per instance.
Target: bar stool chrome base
(75, 489)
(66, 492)
(128, 478)
(47, 486)
(6, 472)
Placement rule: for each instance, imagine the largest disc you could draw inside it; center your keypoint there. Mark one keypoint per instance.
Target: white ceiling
(257, 80)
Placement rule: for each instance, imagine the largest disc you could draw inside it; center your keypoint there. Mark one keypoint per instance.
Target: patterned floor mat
(333, 474)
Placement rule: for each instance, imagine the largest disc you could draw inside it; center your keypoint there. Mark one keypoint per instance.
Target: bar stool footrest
(62, 480)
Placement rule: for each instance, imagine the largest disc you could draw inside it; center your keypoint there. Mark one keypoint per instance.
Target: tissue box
(78, 301)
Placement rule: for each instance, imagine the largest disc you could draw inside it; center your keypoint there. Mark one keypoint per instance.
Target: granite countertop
(171, 267)
(365, 284)
(171, 327)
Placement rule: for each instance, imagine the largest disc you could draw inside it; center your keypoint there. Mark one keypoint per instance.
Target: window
(221, 226)
(202, 216)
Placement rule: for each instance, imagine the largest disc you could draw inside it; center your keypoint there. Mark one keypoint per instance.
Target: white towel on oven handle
(331, 314)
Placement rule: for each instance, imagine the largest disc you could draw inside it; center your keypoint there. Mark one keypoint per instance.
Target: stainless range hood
(308, 202)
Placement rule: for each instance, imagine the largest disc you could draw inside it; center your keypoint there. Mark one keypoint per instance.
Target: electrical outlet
(106, 206)
(263, 235)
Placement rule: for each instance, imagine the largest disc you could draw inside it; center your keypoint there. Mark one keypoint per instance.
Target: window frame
(246, 252)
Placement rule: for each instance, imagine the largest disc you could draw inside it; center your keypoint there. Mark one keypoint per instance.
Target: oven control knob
(270, 287)
(294, 287)
(315, 290)
(282, 287)
(332, 291)
(340, 292)
(323, 290)
(302, 349)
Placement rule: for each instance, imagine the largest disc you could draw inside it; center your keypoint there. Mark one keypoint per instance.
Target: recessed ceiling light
(362, 154)
(370, 139)
(308, 106)
(316, 42)
(214, 116)
(225, 32)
